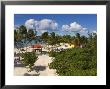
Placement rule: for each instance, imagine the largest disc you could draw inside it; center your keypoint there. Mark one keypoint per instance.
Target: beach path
(41, 68)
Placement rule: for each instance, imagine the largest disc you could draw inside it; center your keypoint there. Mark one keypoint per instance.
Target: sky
(61, 24)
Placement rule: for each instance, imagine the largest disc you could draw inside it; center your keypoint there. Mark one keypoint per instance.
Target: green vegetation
(51, 38)
(22, 37)
(77, 61)
(29, 58)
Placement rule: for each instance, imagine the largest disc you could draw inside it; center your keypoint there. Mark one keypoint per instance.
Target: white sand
(42, 64)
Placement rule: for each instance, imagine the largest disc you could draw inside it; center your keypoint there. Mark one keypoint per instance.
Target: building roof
(36, 46)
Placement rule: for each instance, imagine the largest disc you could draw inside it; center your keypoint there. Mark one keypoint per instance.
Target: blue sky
(60, 23)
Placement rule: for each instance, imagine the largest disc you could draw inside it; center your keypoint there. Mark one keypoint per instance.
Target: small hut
(37, 47)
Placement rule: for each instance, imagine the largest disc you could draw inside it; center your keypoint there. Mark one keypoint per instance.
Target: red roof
(36, 46)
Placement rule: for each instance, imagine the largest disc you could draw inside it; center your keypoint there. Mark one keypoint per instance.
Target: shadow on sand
(19, 65)
(26, 74)
(39, 68)
(43, 53)
(36, 68)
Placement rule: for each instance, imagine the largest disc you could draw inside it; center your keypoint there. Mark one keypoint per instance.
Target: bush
(75, 62)
(29, 58)
(52, 53)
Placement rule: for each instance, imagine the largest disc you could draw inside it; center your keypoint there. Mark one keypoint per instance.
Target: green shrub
(53, 53)
(75, 62)
(29, 58)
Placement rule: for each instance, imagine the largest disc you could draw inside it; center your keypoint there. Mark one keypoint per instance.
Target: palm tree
(17, 38)
(25, 36)
(30, 36)
(78, 35)
(23, 30)
(52, 38)
(77, 40)
(18, 41)
(52, 34)
(83, 41)
(44, 36)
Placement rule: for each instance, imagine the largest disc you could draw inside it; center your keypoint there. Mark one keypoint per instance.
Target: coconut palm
(83, 41)
(22, 29)
(77, 40)
(44, 36)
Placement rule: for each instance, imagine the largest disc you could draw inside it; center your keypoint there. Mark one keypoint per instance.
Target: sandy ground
(41, 68)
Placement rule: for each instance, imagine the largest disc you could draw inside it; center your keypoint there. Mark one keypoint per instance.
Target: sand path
(41, 68)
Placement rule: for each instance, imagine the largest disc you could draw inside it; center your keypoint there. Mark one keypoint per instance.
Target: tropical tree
(15, 37)
(45, 36)
(30, 35)
(52, 34)
(78, 35)
(23, 31)
(76, 42)
(67, 38)
(92, 40)
(58, 39)
(18, 38)
(52, 39)
(83, 40)
(23, 37)
(78, 39)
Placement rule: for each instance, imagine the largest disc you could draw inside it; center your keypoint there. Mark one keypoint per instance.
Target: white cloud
(65, 27)
(54, 25)
(30, 24)
(16, 27)
(73, 27)
(84, 30)
(42, 31)
(47, 24)
(94, 31)
(42, 25)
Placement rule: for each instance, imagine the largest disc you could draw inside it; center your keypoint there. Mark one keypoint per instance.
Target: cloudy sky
(61, 24)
